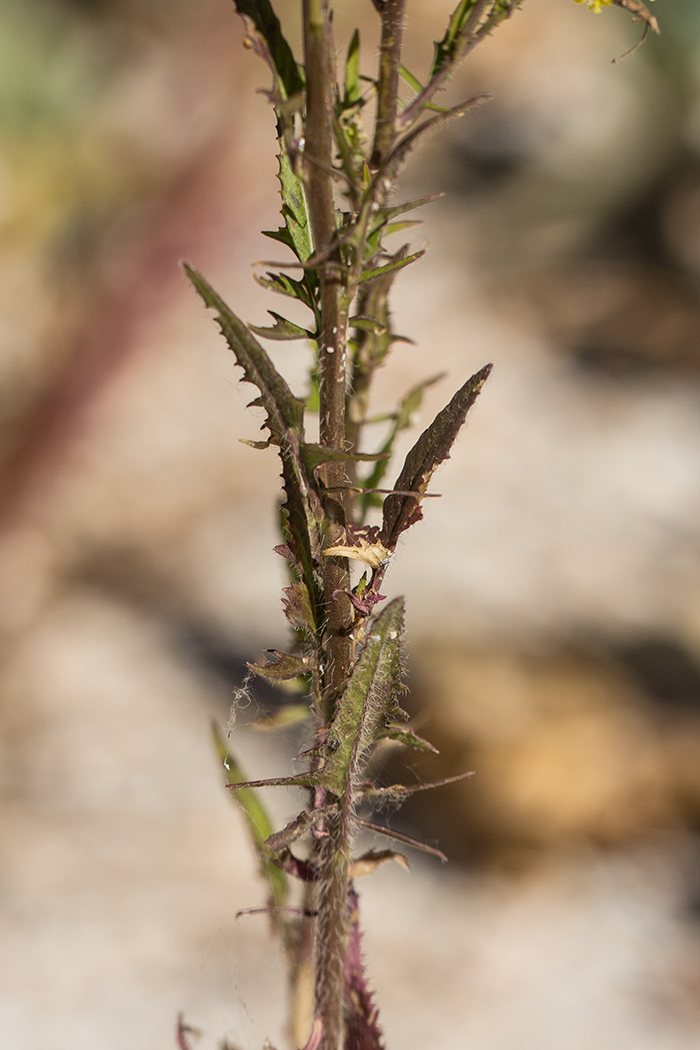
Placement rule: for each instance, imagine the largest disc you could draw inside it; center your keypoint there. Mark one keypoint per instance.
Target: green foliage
(257, 820)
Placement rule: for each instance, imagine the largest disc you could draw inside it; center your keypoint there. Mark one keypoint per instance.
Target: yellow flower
(595, 5)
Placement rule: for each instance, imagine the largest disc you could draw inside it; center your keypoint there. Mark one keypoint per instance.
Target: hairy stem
(388, 88)
(318, 155)
(332, 850)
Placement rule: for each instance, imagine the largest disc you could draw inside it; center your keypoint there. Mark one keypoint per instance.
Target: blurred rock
(567, 749)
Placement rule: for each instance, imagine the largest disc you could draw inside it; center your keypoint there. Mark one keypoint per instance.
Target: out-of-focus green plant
(343, 139)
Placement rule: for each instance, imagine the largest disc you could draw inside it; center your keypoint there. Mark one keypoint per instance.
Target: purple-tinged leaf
(297, 606)
(431, 449)
(364, 603)
(300, 869)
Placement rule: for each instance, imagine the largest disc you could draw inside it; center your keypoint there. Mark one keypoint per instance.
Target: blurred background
(553, 591)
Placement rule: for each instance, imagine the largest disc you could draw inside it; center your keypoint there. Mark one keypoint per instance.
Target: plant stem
(333, 849)
(318, 153)
(388, 88)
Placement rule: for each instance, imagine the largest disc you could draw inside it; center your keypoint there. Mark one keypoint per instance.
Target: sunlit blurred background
(553, 591)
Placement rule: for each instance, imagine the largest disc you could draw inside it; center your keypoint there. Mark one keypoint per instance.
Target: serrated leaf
(282, 329)
(257, 820)
(368, 703)
(431, 449)
(285, 412)
(283, 666)
(375, 272)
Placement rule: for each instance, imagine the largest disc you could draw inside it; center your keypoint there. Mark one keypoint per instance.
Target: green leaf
(368, 324)
(431, 448)
(384, 215)
(353, 93)
(391, 267)
(301, 517)
(284, 285)
(265, 32)
(446, 50)
(282, 329)
(412, 81)
(257, 820)
(285, 412)
(368, 703)
(295, 210)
